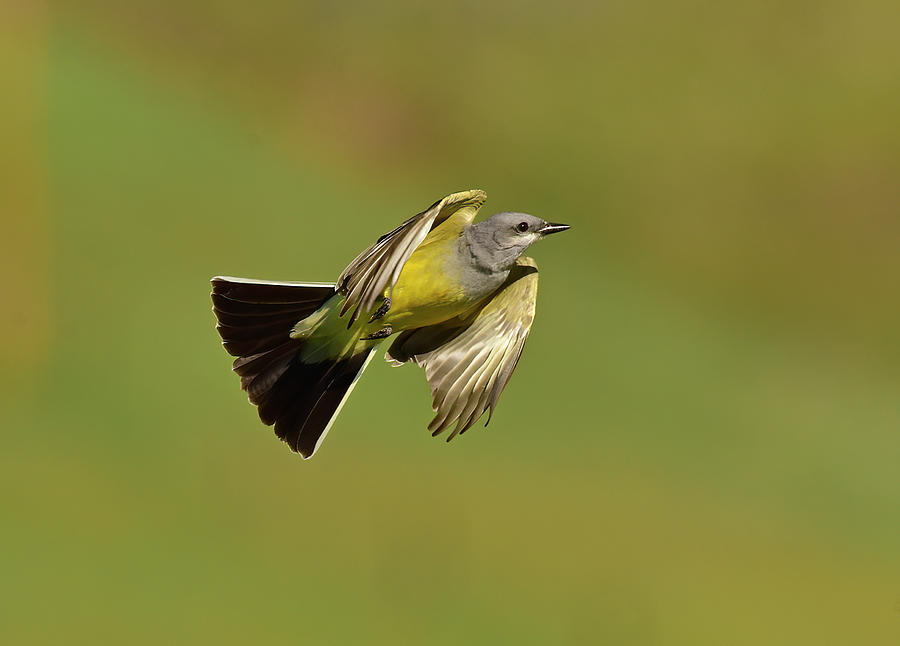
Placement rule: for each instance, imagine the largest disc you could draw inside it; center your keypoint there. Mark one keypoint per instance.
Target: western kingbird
(459, 296)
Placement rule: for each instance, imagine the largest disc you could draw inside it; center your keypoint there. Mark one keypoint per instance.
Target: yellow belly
(427, 291)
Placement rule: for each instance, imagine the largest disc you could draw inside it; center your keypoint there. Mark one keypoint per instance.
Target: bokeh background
(701, 444)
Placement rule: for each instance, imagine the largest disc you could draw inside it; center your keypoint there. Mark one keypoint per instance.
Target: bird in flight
(457, 298)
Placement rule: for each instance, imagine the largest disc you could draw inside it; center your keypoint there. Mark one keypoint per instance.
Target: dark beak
(552, 227)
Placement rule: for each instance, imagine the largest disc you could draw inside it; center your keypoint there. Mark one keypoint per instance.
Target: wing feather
(468, 367)
(376, 269)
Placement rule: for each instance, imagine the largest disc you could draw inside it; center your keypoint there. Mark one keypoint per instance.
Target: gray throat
(485, 264)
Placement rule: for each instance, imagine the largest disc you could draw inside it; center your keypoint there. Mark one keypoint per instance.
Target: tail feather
(253, 339)
(291, 386)
(260, 372)
(306, 399)
(252, 365)
(340, 379)
(237, 320)
(300, 399)
(244, 307)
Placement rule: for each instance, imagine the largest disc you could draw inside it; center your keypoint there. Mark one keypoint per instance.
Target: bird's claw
(380, 334)
(382, 310)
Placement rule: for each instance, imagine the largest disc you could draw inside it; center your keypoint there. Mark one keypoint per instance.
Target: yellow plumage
(427, 290)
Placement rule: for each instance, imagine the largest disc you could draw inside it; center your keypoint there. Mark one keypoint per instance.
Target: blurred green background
(700, 444)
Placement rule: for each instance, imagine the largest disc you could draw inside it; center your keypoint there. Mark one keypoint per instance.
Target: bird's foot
(382, 310)
(386, 331)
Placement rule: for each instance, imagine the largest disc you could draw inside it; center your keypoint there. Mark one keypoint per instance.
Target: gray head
(499, 240)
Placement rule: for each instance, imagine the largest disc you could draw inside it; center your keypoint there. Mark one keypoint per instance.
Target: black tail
(255, 322)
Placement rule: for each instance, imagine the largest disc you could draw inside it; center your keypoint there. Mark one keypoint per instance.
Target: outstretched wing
(379, 266)
(468, 365)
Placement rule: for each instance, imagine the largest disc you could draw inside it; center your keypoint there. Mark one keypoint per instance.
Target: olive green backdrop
(700, 444)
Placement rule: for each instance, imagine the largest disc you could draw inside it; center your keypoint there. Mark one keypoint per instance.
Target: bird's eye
(522, 227)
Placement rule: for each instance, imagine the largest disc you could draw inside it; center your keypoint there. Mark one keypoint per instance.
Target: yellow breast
(428, 290)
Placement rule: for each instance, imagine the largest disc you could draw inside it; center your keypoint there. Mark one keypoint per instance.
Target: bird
(454, 296)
